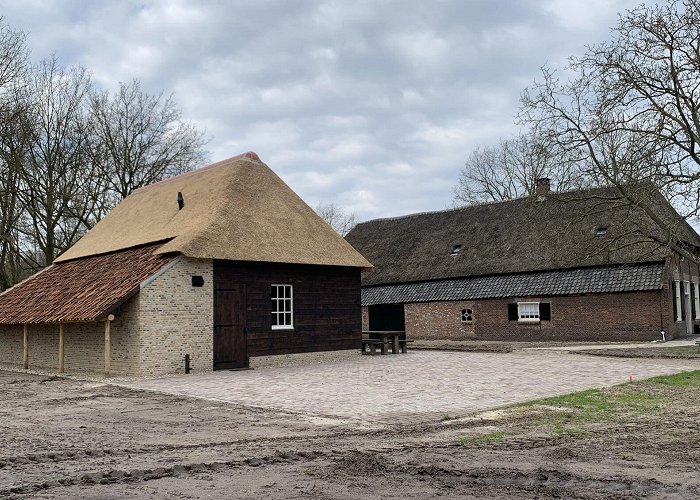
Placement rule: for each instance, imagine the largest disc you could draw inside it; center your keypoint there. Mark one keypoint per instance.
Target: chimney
(180, 201)
(542, 186)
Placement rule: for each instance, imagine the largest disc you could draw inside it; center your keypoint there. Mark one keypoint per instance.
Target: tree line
(625, 113)
(70, 151)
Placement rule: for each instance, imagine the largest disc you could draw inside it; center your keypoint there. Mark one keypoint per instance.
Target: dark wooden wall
(327, 312)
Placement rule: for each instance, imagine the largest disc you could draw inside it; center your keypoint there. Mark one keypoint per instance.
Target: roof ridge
(248, 156)
(445, 210)
(485, 204)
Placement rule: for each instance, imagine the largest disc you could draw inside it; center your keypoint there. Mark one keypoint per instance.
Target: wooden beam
(108, 345)
(60, 348)
(26, 347)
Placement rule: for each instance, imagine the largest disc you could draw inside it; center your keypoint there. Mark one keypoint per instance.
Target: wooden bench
(403, 345)
(372, 344)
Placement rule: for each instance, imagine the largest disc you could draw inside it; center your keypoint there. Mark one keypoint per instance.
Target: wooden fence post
(26, 347)
(108, 345)
(60, 347)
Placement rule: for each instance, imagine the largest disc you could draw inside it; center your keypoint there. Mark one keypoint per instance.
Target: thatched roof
(561, 231)
(81, 290)
(236, 209)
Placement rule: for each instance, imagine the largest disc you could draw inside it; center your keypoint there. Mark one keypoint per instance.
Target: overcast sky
(371, 105)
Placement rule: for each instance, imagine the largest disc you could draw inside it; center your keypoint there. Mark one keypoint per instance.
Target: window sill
(528, 321)
(282, 328)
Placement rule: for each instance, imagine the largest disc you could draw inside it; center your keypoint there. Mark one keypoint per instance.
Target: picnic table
(383, 339)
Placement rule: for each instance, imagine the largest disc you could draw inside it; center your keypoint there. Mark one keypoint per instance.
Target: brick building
(579, 265)
(222, 264)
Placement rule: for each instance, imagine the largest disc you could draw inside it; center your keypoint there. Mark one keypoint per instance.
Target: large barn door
(230, 342)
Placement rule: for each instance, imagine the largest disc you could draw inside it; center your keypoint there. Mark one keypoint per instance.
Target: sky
(373, 106)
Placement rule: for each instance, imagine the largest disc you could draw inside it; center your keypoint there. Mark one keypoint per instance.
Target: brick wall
(177, 319)
(439, 321)
(83, 344)
(150, 335)
(617, 317)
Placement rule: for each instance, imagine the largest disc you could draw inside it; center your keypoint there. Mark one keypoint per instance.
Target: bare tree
(13, 63)
(13, 148)
(13, 57)
(337, 217)
(69, 153)
(56, 177)
(632, 110)
(509, 170)
(141, 138)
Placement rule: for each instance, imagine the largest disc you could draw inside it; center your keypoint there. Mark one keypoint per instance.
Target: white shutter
(678, 300)
(696, 289)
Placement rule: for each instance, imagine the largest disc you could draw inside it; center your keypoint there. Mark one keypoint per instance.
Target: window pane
(288, 319)
(529, 310)
(274, 319)
(274, 292)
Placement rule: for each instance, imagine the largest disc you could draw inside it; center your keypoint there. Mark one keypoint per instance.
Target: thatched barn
(221, 264)
(580, 265)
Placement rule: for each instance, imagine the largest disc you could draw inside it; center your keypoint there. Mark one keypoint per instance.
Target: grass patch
(582, 415)
(683, 379)
(491, 437)
(603, 405)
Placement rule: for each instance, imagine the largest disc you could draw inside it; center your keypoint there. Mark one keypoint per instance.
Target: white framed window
(677, 294)
(282, 307)
(529, 312)
(467, 316)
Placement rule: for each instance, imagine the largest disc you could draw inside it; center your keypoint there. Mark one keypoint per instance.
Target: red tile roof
(78, 290)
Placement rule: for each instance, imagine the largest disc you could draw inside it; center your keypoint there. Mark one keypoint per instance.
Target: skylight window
(600, 231)
(456, 249)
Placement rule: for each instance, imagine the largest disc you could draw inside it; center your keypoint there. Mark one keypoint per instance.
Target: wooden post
(26, 347)
(60, 348)
(108, 345)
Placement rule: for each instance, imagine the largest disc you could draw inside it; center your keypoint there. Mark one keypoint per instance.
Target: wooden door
(230, 342)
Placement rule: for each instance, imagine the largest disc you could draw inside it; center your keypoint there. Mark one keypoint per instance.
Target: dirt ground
(73, 439)
(681, 352)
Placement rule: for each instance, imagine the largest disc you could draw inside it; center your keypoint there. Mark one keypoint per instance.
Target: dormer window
(456, 249)
(600, 231)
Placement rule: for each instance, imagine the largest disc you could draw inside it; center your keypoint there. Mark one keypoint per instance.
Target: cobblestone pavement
(420, 385)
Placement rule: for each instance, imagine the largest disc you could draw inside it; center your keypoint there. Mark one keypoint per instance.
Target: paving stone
(418, 386)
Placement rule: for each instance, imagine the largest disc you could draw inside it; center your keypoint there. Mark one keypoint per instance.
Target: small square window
(456, 249)
(529, 312)
(467, 316)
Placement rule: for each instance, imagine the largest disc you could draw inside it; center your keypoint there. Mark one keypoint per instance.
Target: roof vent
(455, 250)
(180, 201)
(600, 231)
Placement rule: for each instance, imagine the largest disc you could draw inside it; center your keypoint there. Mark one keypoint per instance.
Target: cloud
(372, 105)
